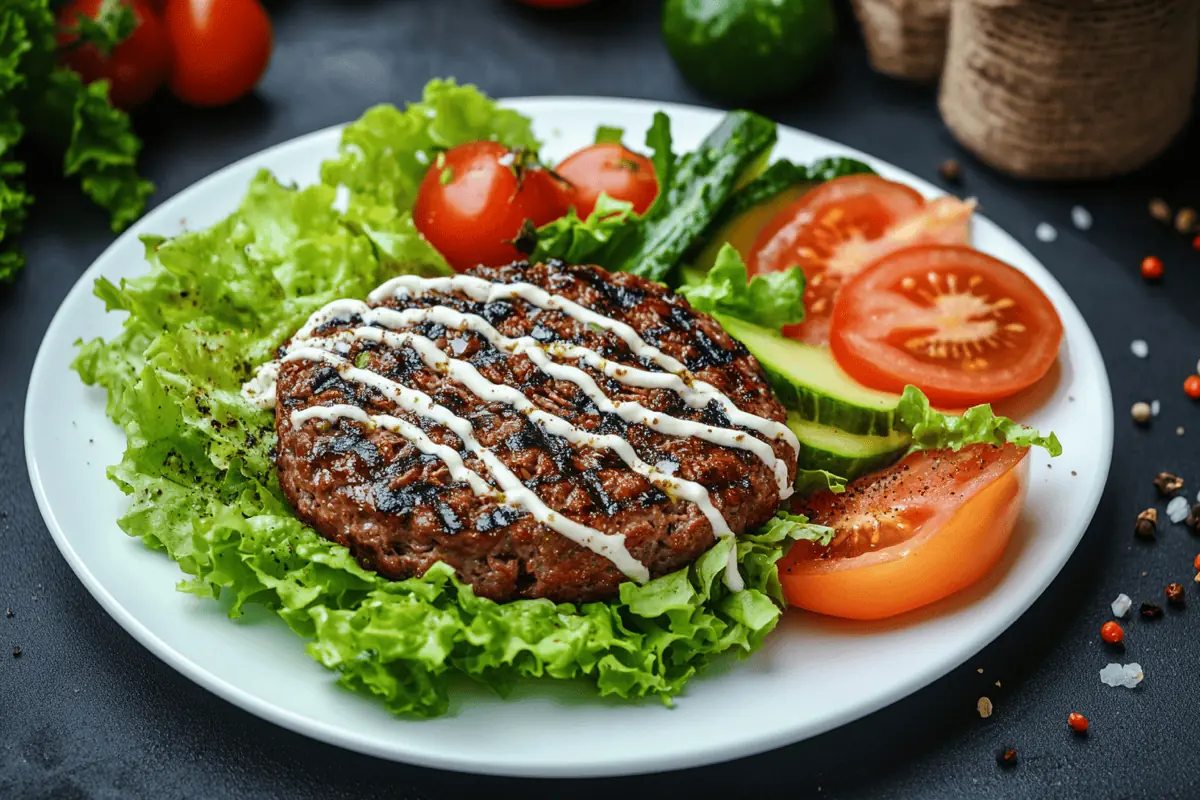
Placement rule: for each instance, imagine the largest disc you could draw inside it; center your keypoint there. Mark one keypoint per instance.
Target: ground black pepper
(16, 652)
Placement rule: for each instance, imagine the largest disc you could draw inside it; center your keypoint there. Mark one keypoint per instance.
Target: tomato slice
(960, 325)
(841, 227)
(908, 536)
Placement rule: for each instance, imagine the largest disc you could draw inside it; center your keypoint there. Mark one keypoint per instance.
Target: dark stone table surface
(86, 712)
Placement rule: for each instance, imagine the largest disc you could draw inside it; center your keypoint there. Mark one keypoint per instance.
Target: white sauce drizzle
(695, 393)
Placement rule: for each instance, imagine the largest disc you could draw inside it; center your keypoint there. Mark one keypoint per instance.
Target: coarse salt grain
(1177, 509)
(1121, 606)
(1081, 217)
(1045, 232)
(1127, 675)
(1139, 348)
(1155, 407)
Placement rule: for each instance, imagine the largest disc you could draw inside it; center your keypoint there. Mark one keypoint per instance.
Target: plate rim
(697, 756)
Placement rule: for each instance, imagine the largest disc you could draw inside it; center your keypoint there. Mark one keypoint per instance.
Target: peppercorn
(1196, 563)
(1078, 722)
(1191, 387)
(1174, 594)
(1112, 633)
(1185, 220)
(1150, 610)
(1196, 243)
(951, 171)
(1146, 524)
(1141, 413)
(1166, 483)
(1193, 520)
(1160, 210)
(1006, 757)
(1152, 268)
(16, 652)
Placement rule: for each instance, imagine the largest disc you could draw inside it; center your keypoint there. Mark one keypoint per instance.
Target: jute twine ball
(1069, 88)
(905, 38)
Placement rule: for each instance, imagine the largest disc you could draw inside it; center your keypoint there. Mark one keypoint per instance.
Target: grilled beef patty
(399, 511)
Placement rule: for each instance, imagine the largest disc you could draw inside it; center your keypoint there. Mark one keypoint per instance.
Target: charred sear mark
(496, 519)
(349, 441)
(325, 378)
(711, 354)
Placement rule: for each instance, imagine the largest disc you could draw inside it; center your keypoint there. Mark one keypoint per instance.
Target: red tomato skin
(472, 216)
(222, 48)
(135, 69)
(611, 169)
(887, 368)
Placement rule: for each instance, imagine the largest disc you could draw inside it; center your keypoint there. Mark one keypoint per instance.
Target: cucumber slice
(846, 454)
(808, 381)
(741, 230)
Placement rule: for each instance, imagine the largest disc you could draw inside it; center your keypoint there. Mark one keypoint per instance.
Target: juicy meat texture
(398, 509)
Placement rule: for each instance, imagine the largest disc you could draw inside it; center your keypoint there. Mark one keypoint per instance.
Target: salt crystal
(1045, 232)
(1127, 675)
(1121, 606)
(1081, 217)
(1155, 407)
(1139, 348)
(1177, 509)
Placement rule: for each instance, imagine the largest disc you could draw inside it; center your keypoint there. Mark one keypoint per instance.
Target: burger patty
(398, 508)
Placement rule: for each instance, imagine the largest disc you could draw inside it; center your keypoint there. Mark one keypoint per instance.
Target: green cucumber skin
(848, 467)
(814, 405)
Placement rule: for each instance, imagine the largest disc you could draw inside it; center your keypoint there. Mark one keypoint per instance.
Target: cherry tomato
(841, 227)
(612, 169)
(475, 198)
(908, 536)
(959, 325)
(221, 48)
(134, 69)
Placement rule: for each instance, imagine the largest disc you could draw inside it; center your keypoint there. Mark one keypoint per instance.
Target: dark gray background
(86, 712)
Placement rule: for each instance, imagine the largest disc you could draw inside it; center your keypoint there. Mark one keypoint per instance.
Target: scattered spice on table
(1193, 519)
(1127, 675)
(16, 652)
(1167, 483)
(1078, 722)
(1160, 210)
(9, 612)
(1150, 610)
(1191, 387)
(984, 707)
(950, 170)
(1140, 413)
(1152, 268)
(1045, 232)
(1139, 348)
(1174, 593)
(1121, 606)
(1177, 509)
(1006, 757)
(1146, 524)
(1195, 564)
(1112, 633)
(1179, 431)
(1155, 408)
(1185, 220)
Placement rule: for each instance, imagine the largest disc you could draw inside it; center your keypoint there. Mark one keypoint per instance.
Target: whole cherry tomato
(221, 48)
(134, 69)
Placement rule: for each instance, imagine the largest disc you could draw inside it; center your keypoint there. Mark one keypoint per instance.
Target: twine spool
(1069, 88)
(905, 38)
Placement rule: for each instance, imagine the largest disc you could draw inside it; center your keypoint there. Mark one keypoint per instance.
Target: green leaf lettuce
(772, 300)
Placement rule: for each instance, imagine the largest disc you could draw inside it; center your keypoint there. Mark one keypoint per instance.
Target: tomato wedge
(960, 325)
(908, 536)
(841, 227)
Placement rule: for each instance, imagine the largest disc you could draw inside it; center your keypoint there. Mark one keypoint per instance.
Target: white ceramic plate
(813, 675)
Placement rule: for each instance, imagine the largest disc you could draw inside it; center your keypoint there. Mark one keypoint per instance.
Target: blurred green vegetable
(744, 51)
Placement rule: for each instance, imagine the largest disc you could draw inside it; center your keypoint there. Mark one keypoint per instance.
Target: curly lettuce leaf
(772, 300)
(935, 430)
(384, 155)
(586, 241)
(202, 486)
(607, 134)
(819, 480)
